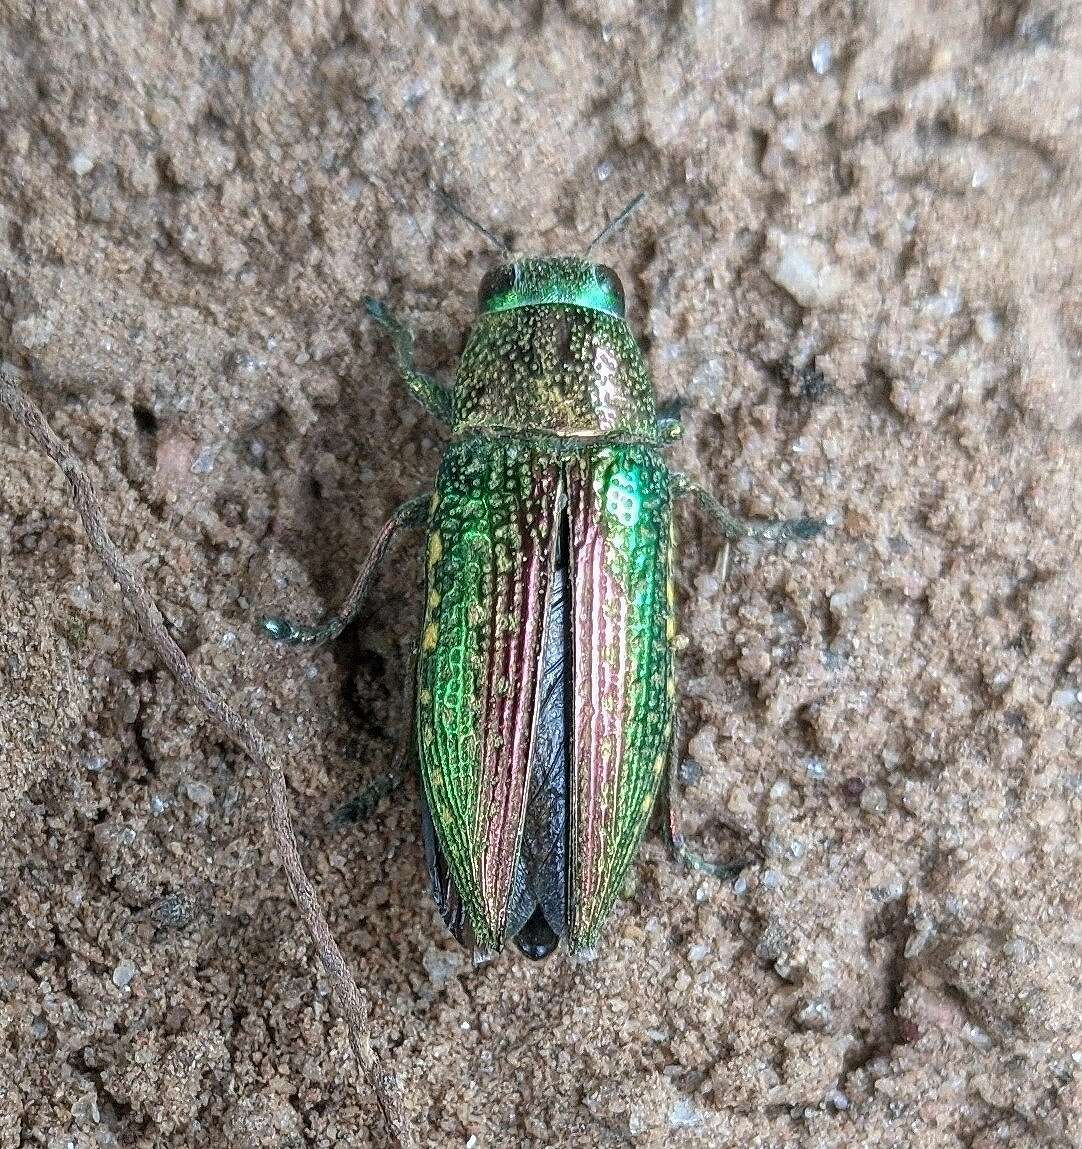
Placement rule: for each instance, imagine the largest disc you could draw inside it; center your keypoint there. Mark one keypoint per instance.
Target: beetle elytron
(545, 690)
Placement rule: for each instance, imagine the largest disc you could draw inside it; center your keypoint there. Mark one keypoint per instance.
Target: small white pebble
(123, 974)
(822, 56)
(1015, 949)
(772, 879)
(804, 268)
(204, 462)
(683, 1114)
(604, 170)
(94, 762)
(944, 304)
(838, 1099)
(157, 805)
(848, 594)
(815, 767)
(740, 886)
(1066, 697)
(81, 164)
(874, 800)
(919, 939)
(698, 951)
(987, 326)
(780, 790)
(199, 793)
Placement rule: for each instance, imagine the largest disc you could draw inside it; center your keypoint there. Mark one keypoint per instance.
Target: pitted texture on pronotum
(493, 531)
(558, 369)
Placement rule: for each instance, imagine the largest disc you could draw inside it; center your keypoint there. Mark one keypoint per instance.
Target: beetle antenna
(491, 236)
(613, 224)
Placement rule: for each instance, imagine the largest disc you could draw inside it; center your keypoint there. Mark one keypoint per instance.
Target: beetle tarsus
(361, 806)
(733, 527)
(294, 634)
(409, 514)
(723, 871)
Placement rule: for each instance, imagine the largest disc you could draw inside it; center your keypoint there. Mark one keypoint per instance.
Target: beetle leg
(723, 871)
(733, 527)
(435, 398)
(361, 806)
(410, 514)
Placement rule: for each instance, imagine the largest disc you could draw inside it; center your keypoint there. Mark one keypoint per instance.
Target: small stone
(684, 1115)
(780, 791)
(838, 1099)
(822, 56)
(874, 800)
(199, 793)
(82, 164)
(93, 762)
(853, 788)
(848, 595)
(772, 879)
(918, 940)
(803, 267)
(815, 767)
(1066, 697)
(987, 326)
(203, 463)
(124, 973)
(698, 951)
(689, 771)
(440, 965)
(740, 886)
(175, 911)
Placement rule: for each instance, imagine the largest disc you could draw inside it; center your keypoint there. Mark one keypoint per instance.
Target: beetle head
(566, 279)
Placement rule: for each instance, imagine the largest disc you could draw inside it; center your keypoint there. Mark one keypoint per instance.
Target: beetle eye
(610, 282)
(497, 281)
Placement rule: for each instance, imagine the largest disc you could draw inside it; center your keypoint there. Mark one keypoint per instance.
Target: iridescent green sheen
(555, 279)
(619, 506)
(489, 562)
(556, 418)
(545, 690)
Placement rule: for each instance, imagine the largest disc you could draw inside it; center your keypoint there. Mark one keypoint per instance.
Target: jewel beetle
(545, 695)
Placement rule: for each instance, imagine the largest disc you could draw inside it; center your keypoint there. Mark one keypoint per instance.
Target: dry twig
(240, 731)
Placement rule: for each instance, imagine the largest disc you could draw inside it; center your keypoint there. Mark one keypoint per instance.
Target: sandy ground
(860, 269)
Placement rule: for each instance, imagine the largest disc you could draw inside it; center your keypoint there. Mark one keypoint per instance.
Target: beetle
(544, 681)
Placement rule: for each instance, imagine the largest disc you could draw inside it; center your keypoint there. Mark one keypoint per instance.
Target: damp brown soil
(859, 272)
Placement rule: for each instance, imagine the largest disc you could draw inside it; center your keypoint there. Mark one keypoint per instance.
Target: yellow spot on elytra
(647, 803)
(660, 763)
(432, 633)
(433, 599)
(670, 687)
(435, 549)
(426, 697)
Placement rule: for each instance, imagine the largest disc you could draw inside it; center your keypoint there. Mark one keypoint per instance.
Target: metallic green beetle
(545, 690)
